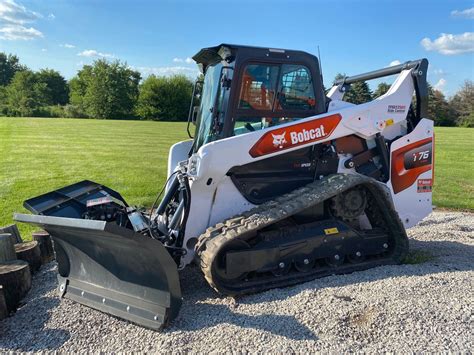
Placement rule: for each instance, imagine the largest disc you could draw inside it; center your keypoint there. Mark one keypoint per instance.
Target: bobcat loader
(281, 184)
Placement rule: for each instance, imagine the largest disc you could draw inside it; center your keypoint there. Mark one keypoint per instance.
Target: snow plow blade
(111, 268)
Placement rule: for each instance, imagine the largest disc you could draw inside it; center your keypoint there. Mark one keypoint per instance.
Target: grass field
(38, 155)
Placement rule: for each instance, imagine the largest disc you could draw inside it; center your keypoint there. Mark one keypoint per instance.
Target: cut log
(13, 230)
(3, 305)
(7, 249)
(29, 252)
(15, 277)
(45, 244)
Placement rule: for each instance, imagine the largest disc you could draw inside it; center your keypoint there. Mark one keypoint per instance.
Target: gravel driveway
(419, 307)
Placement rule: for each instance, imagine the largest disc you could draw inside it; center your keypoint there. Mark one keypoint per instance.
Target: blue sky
(159, 36)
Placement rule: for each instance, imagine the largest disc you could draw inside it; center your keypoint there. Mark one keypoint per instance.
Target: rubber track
(246, 225)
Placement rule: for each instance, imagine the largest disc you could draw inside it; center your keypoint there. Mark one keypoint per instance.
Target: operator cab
(251, 88)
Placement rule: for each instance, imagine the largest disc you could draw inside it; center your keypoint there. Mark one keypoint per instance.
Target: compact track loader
(281, 184)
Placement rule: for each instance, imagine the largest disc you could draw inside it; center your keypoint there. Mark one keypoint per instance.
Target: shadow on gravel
(215, 314)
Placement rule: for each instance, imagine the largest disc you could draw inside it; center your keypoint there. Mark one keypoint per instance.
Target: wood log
(3, 305)
(29, 252)
(15, 277)
(7, 249)
(45, 244)
(13, 230)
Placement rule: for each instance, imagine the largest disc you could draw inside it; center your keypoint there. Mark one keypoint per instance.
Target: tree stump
(7, 249)
(45, 244)
(13, 230)
(29, 252)
(15, 277)
(3, 305)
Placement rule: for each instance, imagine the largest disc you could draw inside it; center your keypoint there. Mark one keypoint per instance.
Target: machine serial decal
(295, 135)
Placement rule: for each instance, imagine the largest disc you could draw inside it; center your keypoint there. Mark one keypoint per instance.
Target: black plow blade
(113, 269)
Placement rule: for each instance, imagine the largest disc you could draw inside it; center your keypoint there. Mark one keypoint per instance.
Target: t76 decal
(295, 135)
(409, 162)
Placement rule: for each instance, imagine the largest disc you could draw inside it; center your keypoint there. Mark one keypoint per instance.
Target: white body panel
(214, 196)
(412, 205)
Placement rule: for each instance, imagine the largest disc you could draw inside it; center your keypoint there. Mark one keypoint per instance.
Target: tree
(25, 94)
(106, 89)
(57, 87)
(165, 98)
(382, 88)
(358, 93)
(438, 108)
(78, 86)
(9, 65)
(463, 104)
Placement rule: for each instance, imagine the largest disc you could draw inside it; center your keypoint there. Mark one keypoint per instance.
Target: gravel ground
(406, 308)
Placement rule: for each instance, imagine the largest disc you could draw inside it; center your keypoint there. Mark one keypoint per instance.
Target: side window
(258, 87)
(296, 89)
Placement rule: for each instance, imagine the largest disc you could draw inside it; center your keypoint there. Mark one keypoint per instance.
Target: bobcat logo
(279, 140)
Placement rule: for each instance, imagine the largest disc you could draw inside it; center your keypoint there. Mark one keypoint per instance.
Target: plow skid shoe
(113, 269)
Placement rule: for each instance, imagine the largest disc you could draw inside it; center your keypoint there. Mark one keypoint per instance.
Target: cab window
(258, 88)
(296, 89)
(271, 95)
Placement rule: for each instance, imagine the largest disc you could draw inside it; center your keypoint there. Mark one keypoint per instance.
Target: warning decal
(425, 185)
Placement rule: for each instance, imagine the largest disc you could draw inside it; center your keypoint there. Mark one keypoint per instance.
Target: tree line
(102, 90)
(114, 90)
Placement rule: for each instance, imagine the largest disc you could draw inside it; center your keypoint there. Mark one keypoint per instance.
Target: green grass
(417, 257)
(454, 168)
(39, 155)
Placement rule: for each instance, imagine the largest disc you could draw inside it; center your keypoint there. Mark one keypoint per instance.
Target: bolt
(306, 261)
(281, 265)
(337, 257)
(61, 287)
(385, 245)
(358, 253)
(351, 164)
(155, 317)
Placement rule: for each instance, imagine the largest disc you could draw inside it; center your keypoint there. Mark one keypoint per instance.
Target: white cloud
(168, 71)
(18, 32)
(439, 72)
(94, 53)
(44, 50)
(51, 17)
(449, 44)
(13, 13)
(13, 18)
(467, 13)
(188, 60)
(440, 85)
(394, 62)
(67, 45)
